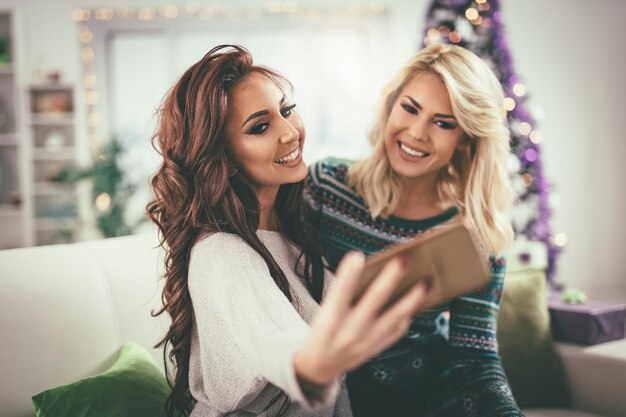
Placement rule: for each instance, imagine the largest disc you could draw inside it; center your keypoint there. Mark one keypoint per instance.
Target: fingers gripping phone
(447, 259)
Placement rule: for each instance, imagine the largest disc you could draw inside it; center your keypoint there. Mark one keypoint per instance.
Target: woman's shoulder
(216, 240)
(232, 246)
(330, 169)
(224, 247)
(223, 257)
(329, 177)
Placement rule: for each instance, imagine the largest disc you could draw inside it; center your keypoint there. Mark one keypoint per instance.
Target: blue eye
(409, 109)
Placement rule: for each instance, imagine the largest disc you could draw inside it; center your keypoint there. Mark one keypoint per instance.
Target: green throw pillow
(133, 386)
(529, 357)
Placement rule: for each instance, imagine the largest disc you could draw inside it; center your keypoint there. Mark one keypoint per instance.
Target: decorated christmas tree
(110, 190)
(477, 26)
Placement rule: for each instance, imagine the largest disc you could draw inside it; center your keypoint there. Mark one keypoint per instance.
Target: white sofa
(65, 310)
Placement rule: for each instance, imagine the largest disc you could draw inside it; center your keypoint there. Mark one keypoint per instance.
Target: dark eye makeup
(442, 124)
(261, 127)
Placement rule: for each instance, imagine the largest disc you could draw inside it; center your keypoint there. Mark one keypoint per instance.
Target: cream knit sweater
(246, 332)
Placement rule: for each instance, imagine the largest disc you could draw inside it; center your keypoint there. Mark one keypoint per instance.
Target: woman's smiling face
(265, 134)
(421, 133)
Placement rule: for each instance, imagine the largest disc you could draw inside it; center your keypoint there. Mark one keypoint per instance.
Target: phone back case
(449, 258)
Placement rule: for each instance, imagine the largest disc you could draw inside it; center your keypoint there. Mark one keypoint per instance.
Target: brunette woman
(244, 274)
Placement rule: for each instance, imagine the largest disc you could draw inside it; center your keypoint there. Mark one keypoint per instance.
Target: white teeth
(412, 152)
(289, 158)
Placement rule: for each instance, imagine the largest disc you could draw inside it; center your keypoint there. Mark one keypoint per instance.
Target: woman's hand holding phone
(345, 334)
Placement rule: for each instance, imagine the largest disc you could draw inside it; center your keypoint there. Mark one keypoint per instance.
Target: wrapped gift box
(587, 323)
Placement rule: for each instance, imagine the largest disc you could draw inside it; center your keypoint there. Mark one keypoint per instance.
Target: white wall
(569, 54)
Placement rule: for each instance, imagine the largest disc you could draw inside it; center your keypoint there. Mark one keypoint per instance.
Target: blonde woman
(439, 145)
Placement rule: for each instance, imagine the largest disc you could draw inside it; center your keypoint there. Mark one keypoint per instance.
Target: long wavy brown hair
(196, 193)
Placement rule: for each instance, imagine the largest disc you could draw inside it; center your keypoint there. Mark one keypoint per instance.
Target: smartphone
(447, 257)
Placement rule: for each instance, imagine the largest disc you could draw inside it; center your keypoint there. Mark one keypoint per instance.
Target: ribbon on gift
(574, 296)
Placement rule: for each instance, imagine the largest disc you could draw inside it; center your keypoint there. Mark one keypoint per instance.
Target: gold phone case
(447, 256)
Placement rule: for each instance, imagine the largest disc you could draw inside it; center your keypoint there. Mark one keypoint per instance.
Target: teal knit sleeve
(311, 195)
(477, 382)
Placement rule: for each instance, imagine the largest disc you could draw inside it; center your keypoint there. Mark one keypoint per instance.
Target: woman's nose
(418, 130)
(289, 133)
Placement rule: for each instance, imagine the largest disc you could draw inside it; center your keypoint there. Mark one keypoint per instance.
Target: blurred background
(80, 81)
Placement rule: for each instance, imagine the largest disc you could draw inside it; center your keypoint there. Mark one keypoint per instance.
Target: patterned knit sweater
(448, 362)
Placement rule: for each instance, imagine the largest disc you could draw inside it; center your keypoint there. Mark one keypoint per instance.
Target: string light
(191, 9)
(471, 14)
(519, 90)
(104, 14)
(81, 15)
(560, 239)
(508, 104)
(194, 9)
(454, 37)
(90, 80)
(535, 137)
(477, 21)
(94, 141)
(169, 12)
(103, 201)
(86, 54)
(525, 128)
(146, 13)
(433, 35)
(123, 12)
(527, 179)
(92, 97)
(85, 35)
(531, 155)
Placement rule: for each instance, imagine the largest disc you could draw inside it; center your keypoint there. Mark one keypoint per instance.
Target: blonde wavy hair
(476, 178)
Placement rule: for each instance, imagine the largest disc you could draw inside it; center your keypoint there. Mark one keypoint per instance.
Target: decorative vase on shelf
(54, 141)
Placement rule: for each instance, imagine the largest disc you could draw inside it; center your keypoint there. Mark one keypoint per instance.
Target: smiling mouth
(290, 157)
(412, 152)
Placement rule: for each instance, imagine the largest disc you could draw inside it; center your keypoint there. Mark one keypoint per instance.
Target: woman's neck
(267, 216)
(268, 220)
(420, 200)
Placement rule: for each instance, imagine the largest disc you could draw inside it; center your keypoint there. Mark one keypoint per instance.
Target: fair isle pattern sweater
(448, 362)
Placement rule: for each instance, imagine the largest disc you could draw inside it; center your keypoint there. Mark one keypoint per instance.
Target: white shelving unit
(51, 124)
(13, 205)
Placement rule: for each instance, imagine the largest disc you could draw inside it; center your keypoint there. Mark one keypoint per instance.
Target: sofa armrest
(596, 376)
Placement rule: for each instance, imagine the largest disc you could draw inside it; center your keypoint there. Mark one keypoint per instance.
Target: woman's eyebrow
(262, 112)
(442, 115)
